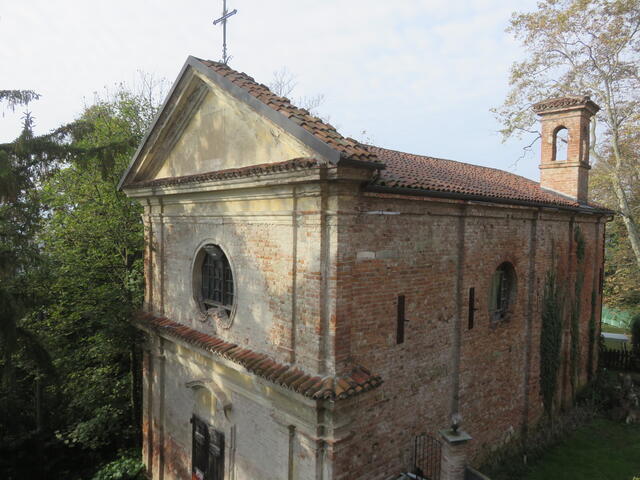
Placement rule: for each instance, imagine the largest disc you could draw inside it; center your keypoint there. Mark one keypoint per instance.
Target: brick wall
(433, 253)
(274, 241)
(569, 176)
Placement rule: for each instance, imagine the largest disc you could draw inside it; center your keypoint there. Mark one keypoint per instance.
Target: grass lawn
(602, 450)
(612, 329)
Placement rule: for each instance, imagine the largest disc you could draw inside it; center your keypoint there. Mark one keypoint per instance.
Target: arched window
(216, 286)
(503, 291)
(560, 144)
(585, 145)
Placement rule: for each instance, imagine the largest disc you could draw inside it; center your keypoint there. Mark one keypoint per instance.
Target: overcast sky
(417, 75)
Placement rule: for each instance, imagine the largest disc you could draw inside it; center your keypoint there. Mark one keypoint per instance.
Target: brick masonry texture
(567, 176)
(432, 252)
(498, 376)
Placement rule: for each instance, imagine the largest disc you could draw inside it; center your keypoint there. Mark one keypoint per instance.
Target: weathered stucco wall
(268, 430)
(272, 238)
(224, 133)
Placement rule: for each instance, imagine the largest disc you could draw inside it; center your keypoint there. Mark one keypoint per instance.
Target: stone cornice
(288, 376)
(565, 103)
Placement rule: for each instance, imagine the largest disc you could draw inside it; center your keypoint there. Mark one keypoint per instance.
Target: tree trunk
(618, 186)
(627, 217)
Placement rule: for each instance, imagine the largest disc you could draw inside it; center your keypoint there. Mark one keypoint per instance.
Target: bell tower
(564, 165)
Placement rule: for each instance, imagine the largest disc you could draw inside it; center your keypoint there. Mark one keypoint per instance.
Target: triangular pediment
(203, 127)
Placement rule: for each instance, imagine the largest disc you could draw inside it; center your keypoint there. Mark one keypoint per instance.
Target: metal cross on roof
(223, 20)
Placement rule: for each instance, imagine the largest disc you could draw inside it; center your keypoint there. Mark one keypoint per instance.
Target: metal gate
(427, 455)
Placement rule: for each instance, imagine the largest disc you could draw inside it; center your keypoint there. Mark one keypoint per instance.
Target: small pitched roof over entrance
(400, 173)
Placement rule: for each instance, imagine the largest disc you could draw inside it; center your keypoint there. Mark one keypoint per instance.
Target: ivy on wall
(550, 339)
(553, 324)
(592, 334)
(576, 307)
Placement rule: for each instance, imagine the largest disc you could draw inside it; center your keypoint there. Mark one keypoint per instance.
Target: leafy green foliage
(92, 240)
(592, 335)
(575, 47)
(576, 307)
(126, 467)
(13, 98)
(19, 256)
(550, 339)
(622, 275)
(80, 279)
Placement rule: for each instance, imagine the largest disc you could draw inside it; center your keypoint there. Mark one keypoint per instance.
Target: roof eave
(483, 198)
(322, 148)
(154, 123)
(306, 137)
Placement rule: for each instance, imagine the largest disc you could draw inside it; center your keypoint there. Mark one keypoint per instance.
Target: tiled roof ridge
(293, 164)
(408, 172)
(288, 376)
(566, 101)
(348, 147)
(419, 156)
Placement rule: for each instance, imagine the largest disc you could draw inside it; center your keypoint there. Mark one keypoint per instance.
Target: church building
(320, 309)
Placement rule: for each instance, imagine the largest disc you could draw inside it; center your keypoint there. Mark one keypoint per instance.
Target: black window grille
(217, 279)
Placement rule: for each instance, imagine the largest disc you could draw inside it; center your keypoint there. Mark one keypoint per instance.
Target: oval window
(216, 279)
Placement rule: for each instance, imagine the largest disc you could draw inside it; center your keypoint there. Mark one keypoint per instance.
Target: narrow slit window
(472, 306)
(400, 320)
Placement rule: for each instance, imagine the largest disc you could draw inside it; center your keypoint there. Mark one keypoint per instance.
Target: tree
(93, 242)
(77, 273)
(19, 219)
(586, 46)
(25, 364)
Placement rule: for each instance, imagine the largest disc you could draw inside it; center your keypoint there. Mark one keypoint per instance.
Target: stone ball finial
(456, 421)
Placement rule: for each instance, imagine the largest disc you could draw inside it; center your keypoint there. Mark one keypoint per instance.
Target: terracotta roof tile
(348, 147)
(288, 376)
(402, 172)
(562, 103)
(407, 171)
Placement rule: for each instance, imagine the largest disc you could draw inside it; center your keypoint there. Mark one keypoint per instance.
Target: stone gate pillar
(454, 454)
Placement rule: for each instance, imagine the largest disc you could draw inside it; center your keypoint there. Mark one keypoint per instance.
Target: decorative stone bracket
(215, 390)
